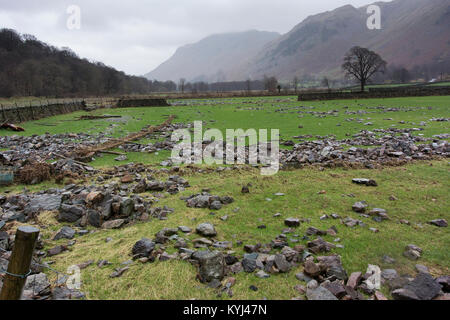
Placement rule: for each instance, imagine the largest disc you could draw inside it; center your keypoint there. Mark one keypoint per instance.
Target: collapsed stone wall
(377, 93)
(130, 103)
(23, 114)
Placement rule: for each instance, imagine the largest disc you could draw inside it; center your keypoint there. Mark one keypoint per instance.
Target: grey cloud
(137, 35)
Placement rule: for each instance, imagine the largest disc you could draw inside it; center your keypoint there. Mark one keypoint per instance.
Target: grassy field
(422, 190)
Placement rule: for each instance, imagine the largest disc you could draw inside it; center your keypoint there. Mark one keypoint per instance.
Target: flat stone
(359, 207)
(113, 224)
(184, 229)
(292, 222)
(320, 293)
(311, 268)
(261, 274)
(281, 263)
(64, 233)
(143, 248)
(206, 229)
(404, 294)
(442, 223)
(211, 265)
(366, 182)
(389, 274)
(354, 279)
(424, 287)
(421, 268)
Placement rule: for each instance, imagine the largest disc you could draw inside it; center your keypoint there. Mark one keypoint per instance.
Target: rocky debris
(422, 268)
(388, 146)
(206, 229)
(423, 287)
(292, 222)
(360, 207)
(444, 281)
(64, 233)
(442, 223)
(381, 214)
(354, 280)
(113, 224)
(210, 265)
(56, 250)
(366, 182)
(319, 293)
(412, 252)
(119, 272)
(143, 248)
(320, 245)
(205, 200)
(37, 285)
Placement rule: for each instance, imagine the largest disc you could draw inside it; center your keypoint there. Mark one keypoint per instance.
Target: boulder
(292, 222)
(210, 265)
(206, 230)
(113, 224)
(143, 248)
(64, 233)
(320, 293)
(70, 213)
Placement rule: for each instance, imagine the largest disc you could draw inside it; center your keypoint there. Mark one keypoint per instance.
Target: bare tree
(362, 64)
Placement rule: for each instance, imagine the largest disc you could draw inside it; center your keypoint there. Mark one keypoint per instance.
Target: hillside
(29, 67)
(414, 33)
(211, 58)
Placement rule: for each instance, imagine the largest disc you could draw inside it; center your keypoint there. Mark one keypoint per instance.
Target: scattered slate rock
(143, 248)
(320, 293)
(119, 272)
(292, 222)
(441, 223)
(261, 274)
(64, 233)
(412, 252)
(56, 250)
(444, 281)
(113, 224)
(312, 268)
(422, 268)
(281, 263)
(38, 284)
(354, 280)
(206, 230)
(424, 287)
(210, 265)
(336, 288)
(184, 229)
(360, 207)
(366, 182)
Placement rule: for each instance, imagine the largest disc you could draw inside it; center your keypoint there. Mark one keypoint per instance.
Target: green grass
(422, 189)
(414, 185)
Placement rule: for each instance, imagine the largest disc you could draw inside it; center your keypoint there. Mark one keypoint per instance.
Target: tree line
(29, 67)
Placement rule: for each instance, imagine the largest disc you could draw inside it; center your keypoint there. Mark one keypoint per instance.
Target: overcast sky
(135, 36)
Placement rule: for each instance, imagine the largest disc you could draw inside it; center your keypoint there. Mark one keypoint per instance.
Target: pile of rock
(390, 148)
(206, 200)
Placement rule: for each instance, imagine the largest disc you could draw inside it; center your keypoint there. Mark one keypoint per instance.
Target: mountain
(211, 58)
(413, 33)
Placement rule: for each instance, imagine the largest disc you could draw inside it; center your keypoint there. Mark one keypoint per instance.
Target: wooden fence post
(19, 263)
